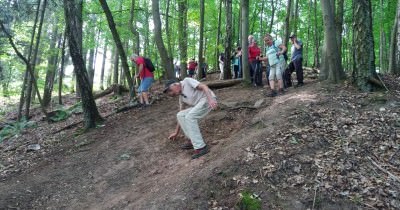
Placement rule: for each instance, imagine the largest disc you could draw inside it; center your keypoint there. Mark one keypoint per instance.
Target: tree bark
(32, 76)
(201, 41)
(228, 40)
(103, 66)
(244, 4)
(118, 43)
(165, 58)
(51, 66)
(271, 23)
(132, 26)
(364, 53)
(394, 55)
(287, 23)
(333, 64)
(218, 34)
(61, 72)
(73, 17)
(182, 36)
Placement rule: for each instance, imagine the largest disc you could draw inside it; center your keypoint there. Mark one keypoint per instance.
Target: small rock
(33, 147)
(382, 109)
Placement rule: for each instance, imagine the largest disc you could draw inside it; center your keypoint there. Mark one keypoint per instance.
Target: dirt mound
(318, 146)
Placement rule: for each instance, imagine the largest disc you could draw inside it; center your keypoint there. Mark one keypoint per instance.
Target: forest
(72, 59)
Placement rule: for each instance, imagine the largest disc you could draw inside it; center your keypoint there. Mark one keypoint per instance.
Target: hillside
(319, 146)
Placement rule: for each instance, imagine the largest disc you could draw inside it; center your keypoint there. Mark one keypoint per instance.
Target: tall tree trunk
(287, 23)
(295, 20)
(218, 34)
(394, 55)
(182, 36)
(382, 42)
(28, 65)
(32, 76)
(316, 38)
(103, 66)
(51, 66)
(201, 41)
(228, 40)
(167, 27)
(132, 27)
(364, 53)
(61, 72)
(244, 4)
(339, 24)
(73, 19)
(116, 67)
(119, 45)
(90, 66)
(333, 64)
(3, 82)
(271, 23)
(165, 58)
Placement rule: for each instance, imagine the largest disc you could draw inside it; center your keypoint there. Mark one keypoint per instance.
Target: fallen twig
(394, 177)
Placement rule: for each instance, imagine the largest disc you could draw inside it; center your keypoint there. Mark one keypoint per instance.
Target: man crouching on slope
(201, 100)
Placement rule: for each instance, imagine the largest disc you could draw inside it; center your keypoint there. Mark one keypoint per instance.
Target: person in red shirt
(146, 79)
(192, 67)
(254, 54)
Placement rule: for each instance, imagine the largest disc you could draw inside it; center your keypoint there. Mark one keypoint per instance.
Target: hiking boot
(200, 152)
(273, 93)
(299, 85)
(187, 145)
(281, 91)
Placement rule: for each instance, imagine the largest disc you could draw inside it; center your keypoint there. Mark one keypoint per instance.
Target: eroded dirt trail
(130, 164)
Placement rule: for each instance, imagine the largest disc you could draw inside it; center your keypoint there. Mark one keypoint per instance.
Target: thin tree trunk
(287, 23)
(61, 72)
(200, 55)
(119, 45)
(73, 17)
(51, 66)
(271, 23)
(394, 54)
(165, 58)
(218, 34)
(182, 35)
(33, 64)
(132, 26)
(244, 4)
(228, 40)
(103, 66)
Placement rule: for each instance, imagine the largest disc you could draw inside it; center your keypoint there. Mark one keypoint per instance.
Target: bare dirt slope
(313, 147)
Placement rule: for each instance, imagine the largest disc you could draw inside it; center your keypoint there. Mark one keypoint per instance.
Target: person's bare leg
(145, 97)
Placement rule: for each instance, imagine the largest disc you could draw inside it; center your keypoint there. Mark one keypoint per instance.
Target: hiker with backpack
(144, 72)
(201, 101)
(296, 62)
(274, 55)
(192, 65)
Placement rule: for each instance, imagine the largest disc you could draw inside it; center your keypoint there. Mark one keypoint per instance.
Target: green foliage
(248, 201)
(59, 115)
(14, 129)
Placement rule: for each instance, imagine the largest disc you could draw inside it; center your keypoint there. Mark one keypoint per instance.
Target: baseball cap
(292, 35)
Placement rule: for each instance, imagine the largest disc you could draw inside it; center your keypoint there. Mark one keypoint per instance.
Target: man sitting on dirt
(201, 100)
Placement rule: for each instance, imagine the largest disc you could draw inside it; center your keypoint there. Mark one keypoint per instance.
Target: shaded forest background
(39, 40)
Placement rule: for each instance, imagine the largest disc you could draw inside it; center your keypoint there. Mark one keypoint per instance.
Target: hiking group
(196, 100)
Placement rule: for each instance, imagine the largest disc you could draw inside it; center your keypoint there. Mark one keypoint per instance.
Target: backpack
(285, 56)
(148, 64)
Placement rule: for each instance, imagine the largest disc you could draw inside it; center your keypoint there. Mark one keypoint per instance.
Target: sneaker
(187, 145)
(200, 152)
(281, 91)
(272, 94)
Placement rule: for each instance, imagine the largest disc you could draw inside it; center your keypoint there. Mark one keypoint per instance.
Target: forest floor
(320, 146)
